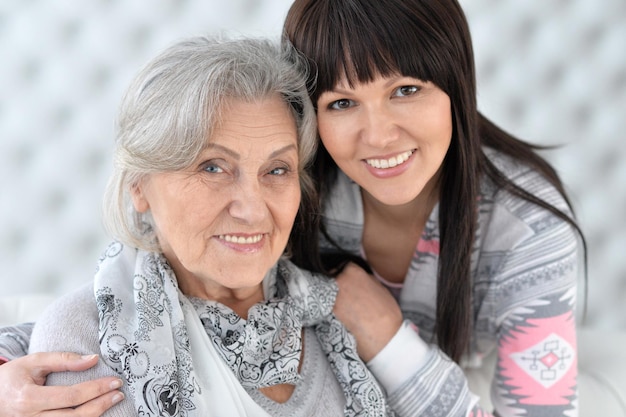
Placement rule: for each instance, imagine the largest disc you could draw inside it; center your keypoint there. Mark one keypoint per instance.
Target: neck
(239, 300)
(410, 215)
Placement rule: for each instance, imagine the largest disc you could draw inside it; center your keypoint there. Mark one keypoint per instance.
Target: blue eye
(278, 171)
(213, 169)
(341, 104)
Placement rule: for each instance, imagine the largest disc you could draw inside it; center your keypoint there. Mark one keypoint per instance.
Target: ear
(139, 199)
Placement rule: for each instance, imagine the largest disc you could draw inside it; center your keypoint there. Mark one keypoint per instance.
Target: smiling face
(390, 135)
(223, 222)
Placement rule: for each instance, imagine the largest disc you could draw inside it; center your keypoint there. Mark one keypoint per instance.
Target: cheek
(436, 127)
(441, 130)
(446, 135)
(285, 206)
(328, 132)
(182, 218)
(444, 118)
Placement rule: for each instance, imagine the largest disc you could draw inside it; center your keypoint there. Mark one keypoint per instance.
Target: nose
(248, 203)
(378, 126)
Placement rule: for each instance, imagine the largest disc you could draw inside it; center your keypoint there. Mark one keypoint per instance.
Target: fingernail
(116, 384)
(88, 357)
(117, 398)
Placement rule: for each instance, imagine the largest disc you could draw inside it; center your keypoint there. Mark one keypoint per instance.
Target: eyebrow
(284, 149)
(235, 155)
(391, 81)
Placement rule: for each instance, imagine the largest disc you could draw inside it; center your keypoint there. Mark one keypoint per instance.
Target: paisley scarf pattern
(144, 335)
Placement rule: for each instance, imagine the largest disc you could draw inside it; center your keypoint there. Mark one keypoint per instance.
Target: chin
(394, 199)
(248, 277)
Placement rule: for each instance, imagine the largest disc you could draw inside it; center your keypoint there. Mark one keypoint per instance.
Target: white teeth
(391, 162)
(241, 240)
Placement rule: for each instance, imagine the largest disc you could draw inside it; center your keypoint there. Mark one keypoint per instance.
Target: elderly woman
(195, 305)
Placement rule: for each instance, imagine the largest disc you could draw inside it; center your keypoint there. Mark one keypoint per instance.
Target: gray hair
(172, 106)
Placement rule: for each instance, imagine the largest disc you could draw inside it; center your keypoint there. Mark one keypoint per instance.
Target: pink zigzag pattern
(549, 343)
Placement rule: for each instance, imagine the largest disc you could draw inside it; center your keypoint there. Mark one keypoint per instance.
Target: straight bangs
(360, 40)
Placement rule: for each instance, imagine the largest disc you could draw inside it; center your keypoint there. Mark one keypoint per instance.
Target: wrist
(400, 359)
(370, 345)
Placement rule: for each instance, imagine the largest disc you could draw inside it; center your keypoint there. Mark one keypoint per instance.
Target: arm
(22, 377)
(537, 359)
(21, 383)
(21, 380)
(537, 368)
(14, 341)
(535, 374)
(417, 377)
(539, 314)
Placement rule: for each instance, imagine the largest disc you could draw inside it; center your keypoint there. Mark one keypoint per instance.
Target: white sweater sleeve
(405, 344)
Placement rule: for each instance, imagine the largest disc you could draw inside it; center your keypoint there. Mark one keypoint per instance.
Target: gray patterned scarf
(172, 349)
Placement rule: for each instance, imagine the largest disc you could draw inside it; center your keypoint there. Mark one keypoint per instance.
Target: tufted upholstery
(550, 71)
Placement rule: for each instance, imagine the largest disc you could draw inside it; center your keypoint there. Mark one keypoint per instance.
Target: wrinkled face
(390, 136)
(224, 222)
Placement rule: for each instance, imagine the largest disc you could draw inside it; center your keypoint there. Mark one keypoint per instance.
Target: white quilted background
(550, 71)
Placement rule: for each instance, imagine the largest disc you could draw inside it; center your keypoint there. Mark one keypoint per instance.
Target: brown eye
(341, 104)
(406, 90)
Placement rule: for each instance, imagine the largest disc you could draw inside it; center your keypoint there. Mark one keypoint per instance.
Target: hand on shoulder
(23, 393)
(367, 309)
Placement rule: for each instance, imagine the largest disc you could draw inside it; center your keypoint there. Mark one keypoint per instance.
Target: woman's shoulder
(78, 301)
(71, 324)
(525, 177)
(508, 220)
(68, 323)
(523, 247)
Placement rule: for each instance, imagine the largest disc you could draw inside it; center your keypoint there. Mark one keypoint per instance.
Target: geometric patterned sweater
(524, 271)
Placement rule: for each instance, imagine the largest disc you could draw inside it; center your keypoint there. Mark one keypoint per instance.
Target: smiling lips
(391, 162)
(241, 240)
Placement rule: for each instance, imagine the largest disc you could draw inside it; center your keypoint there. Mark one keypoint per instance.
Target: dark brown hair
(428, 40)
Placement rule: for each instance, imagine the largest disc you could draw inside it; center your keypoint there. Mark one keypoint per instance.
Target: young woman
(465, 225)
